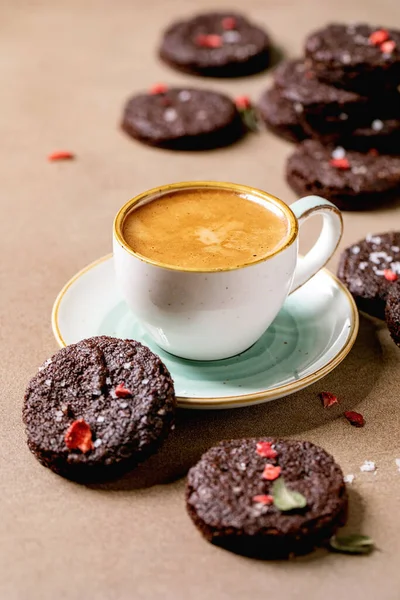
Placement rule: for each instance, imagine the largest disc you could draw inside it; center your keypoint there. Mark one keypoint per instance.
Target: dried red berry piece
(209, 41)
(388, 47)
(328, 399)
(378, 37)
(340, 163)
(373, 152)
(266, 450)
(158, 88)
(228, 23)
(79, 436)
(354, 418)
(242, 102)
(61, 155)
(263, 499)
(271, 472)
(390, 275)
(122, 392)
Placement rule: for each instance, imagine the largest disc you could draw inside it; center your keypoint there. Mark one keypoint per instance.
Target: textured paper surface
(67, 68)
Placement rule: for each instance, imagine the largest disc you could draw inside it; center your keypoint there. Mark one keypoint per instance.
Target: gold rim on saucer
(226, 401)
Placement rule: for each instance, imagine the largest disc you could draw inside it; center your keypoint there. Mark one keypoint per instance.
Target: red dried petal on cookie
(271, 473)
(378, 37)
(354, 418)
(340, 163)
(328, 399)
(242, 102)
(61, 155)
(228, 23)
(266, 450)
(388, 47)
(263, 499)
(122, 392)
(158, 88)
(390, 275)
(209, 41)
(79, 436)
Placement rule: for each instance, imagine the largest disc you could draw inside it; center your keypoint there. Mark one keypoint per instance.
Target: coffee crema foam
(205, 229)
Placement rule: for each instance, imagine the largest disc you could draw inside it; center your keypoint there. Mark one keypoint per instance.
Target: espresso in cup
(206, 266)
(205, 229)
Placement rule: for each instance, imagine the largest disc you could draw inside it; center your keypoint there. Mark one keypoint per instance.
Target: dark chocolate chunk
(223, 497)
(216, 44)
(350, 179)
(120, 389)
(183, 119)
(363, 267)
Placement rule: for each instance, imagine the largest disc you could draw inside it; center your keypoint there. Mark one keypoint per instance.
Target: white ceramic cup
(214, 314)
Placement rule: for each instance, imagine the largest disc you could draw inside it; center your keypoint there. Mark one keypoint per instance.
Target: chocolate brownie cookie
(98, 407)
(183, 119)
(369, 269)
(352, 180)
(230, 496)
(216, 44)
(392, 312)
(356, 57)
(321, 109)
(336, 116)
(382, 135)
(279, 115)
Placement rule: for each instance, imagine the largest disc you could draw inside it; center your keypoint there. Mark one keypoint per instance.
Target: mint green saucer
(312, 334)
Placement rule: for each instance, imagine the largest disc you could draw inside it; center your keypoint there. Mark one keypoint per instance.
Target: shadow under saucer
(196, 431)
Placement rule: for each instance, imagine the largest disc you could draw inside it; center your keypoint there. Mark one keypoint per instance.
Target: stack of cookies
(341, 102)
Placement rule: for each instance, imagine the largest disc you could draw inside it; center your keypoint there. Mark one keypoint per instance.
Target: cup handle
(327, 242)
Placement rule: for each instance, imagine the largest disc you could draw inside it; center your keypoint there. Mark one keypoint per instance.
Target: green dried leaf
(249, 117)
(286, 499)
(352, 544)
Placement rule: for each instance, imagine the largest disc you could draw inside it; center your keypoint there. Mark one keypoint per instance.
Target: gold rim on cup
(232, 187)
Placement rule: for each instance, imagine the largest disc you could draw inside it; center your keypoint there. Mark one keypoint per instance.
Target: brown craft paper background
(66, 69)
